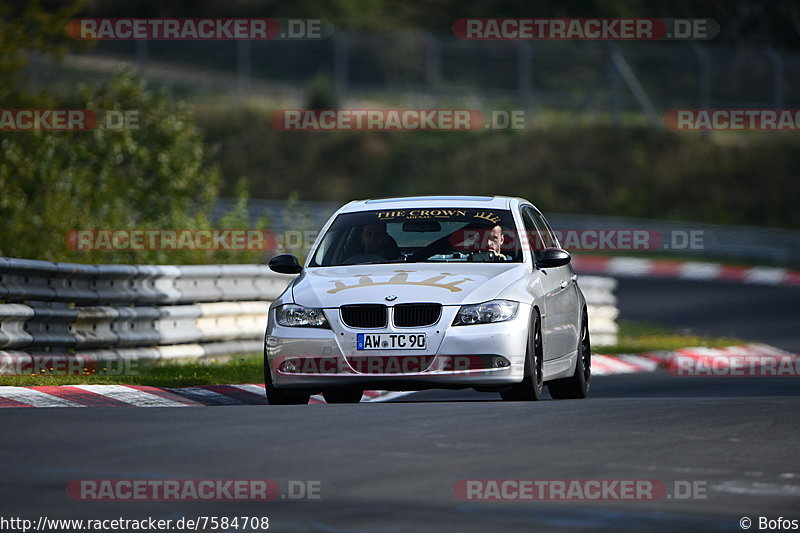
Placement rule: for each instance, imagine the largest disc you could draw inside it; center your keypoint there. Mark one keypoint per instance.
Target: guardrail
(113, 312)
(160, 312)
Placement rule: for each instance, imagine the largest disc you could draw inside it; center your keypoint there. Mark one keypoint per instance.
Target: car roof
(411, 202)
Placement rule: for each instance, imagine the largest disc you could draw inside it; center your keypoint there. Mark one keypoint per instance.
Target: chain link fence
(601, 79)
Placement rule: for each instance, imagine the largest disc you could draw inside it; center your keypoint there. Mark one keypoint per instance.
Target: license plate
(391, 341)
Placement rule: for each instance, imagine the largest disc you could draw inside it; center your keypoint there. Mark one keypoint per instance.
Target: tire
(279, 397)
(344, 395)
(577, 386)
(532, 385)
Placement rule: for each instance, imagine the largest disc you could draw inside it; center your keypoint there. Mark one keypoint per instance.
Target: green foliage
(26, 28)
(158, 176)
(631, 171)
(322, 93)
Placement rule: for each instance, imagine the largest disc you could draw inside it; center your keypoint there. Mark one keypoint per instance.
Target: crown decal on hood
(401, 278)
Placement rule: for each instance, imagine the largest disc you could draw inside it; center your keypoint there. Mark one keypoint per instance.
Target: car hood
(445, 283)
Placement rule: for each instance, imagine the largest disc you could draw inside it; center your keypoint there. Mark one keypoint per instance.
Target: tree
(157, 176)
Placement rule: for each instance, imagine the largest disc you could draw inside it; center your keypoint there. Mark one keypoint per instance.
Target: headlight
(494, 311)
(297, 315)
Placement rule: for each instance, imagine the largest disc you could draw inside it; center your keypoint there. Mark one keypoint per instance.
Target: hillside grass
(562, 166)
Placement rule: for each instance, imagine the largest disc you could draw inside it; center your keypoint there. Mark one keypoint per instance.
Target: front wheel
(576, 386)
(279, 397)
(532, 385)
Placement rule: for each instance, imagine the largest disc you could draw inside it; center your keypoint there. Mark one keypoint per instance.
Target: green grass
(248, 368)
(636, 337)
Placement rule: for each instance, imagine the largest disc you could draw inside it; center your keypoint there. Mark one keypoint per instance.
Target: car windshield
(420, 235)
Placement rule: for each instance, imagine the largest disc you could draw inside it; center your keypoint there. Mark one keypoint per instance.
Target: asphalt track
(763, 313)
(392, 466)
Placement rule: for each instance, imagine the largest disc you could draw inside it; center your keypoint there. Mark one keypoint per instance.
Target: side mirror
(553, 257)
(285, 264)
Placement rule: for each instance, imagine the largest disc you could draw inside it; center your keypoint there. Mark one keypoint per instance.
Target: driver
(376, 241)
(490, 246)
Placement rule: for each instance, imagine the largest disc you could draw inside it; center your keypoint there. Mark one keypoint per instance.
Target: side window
(548, 236)
(534, 235)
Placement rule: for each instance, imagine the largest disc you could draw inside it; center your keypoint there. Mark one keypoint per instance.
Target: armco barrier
(126, 311)
(12, 325)
(25, 280)
(603, 312)
(119, 312)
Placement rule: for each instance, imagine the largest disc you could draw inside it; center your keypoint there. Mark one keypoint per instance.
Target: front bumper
(480, 355)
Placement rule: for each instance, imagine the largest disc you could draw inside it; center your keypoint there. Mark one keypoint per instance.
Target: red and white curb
(253, 393)
(760, 359)
(144, 396)
(688, 270)
(604, 365)
(704, 361)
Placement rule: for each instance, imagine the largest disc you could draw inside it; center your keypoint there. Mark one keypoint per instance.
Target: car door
(554, 343)
(567, 300)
